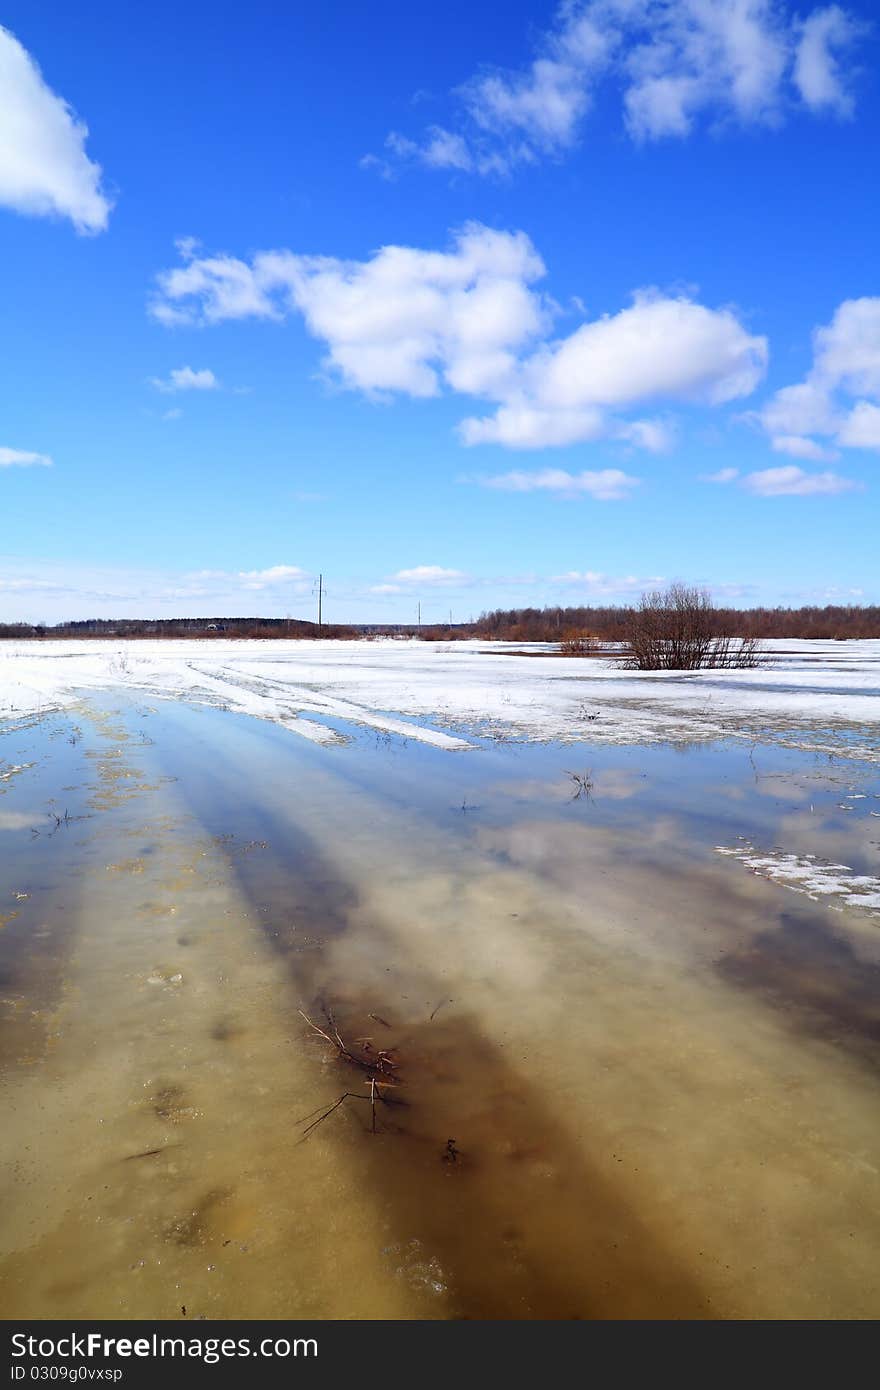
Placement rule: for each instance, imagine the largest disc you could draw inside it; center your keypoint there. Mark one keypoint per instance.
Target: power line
(321, 591)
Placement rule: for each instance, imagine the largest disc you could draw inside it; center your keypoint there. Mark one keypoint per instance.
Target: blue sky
(457, 309)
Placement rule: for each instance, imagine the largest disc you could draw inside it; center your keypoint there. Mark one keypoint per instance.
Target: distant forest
(609, 624)
(177, 627)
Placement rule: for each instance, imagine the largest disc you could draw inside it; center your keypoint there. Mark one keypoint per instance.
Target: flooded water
(621, 1075)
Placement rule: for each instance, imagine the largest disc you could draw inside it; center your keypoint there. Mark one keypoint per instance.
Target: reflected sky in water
(657, 1070)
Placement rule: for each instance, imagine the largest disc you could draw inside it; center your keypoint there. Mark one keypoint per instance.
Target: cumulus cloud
(724, 475)
(185, 379)
(660, 348)
(23, 458)
(791, 481)
(671, 64)
(469, 320)
(836, 399)
(604, 485)
(44, 168)
(404, 320)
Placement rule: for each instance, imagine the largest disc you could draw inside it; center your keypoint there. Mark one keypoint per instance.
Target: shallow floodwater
(632, 1078)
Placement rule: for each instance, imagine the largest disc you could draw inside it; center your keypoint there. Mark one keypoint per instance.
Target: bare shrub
(579, 644)
(677, 629)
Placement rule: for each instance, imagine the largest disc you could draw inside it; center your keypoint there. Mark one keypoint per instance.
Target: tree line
(612, 623)
(177, 628)
(573, 626)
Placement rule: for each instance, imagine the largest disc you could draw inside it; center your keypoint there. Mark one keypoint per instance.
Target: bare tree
(678, 629)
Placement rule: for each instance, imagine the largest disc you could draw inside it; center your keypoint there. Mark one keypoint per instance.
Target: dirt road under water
(658, 1071)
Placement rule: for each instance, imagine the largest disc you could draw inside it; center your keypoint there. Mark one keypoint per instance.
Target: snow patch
(806, 873)
(819, 696)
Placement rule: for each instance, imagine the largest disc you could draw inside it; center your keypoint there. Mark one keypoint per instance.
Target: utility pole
(320, 596)
(420, 614)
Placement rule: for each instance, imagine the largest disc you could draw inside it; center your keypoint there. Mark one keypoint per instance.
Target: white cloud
(605, 485)
(544, 102)
(724, 475)
(791, 481)
(48, 591)
(187, 246)
(429, 574)
(861, 427)
(672, 64)
(469, 320)
(847, 350)
(818, 75)
(598, 585)
(185, 379)
(722, 59)
(251, 580)
(523, 426)
(23, 458)
(846, 365)
(28, 586)
(44, 168)
(446, 150)
(657, 436)
(831, 593)
(800, 410)
(224, 287)
(799, 447)
(403, 320)
(660, 348)
(273, 575)
(269, 578)
(443, 149)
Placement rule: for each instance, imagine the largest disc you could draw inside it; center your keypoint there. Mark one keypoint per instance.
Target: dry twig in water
(379, 1064)
(379, 1061)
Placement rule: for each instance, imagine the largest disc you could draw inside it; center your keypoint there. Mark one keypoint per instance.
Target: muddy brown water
(633, 1080)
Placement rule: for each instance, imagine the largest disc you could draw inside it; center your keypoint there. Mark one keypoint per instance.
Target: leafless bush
(677, 629)
(579, 644)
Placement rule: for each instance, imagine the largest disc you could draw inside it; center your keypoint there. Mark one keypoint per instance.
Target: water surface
(633, 1079)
